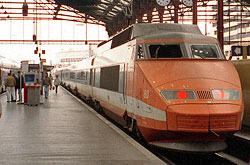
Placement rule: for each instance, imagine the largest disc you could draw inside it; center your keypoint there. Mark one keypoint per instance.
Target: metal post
(86, 23)
(220, 35)
(176, 19)
(149, 10)
(195, 15)
(229, 21)
(161, 13)
(139, 12)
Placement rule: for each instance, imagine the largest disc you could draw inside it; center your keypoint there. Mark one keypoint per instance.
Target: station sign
(25, 66)
(240, 50)
(34, 66)
(237, 50)
(43, 60)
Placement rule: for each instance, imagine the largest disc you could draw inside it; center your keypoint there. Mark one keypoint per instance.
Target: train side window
(67, 75)
(81, 75)
(165, 51)
(72, 75)
(88, 77)
(97, 77)
(140, 53)
(109, 78)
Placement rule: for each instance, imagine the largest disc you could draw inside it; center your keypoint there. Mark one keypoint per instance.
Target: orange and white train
(167, 83)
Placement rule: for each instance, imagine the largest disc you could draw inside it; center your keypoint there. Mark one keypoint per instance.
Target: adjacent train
(243, 68)
(6, 65)
(167, 83)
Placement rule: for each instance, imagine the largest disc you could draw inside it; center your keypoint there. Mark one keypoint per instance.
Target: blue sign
(237, 50)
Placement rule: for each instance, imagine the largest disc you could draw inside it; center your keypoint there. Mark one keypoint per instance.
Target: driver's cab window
(165, 51)
(140, 52)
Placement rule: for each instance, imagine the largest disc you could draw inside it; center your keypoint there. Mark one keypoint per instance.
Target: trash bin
(33, 95)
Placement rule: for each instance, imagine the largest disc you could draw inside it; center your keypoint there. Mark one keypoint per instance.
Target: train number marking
(146, 94)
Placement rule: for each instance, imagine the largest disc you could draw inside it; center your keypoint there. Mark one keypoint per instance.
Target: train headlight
(226, 94)
(178, 94)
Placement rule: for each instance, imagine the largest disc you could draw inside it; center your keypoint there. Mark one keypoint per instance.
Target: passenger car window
(165, 51)
(205, 51)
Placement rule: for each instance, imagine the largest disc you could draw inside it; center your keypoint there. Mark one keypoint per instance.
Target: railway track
(237, 153)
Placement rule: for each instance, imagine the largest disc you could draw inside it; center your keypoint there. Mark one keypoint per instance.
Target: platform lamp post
(40, 76)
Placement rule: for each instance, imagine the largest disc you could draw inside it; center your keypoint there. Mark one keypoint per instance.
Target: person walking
(46, 85)
(56, 82)
(10, 84)
(19, 85)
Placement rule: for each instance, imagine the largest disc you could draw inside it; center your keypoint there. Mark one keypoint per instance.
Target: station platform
(63, 130)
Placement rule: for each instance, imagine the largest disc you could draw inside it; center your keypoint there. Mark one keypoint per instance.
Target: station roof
(102, 10)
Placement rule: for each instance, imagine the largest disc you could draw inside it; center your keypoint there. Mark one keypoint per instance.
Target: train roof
(149, 29)
(177, 37)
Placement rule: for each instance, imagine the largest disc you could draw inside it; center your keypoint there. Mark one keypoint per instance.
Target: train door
(92, 80)
(137, 80)
(129, 82)
(124, 84)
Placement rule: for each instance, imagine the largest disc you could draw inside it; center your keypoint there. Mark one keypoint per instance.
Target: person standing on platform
(10, 84)
(13, 74)
(19, 85)
(46, 85)
(56, 82)
(51, 79)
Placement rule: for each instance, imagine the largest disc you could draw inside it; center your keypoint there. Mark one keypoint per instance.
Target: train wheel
(129, 123)
(76, 91)
(97, 106)
(90, 102)
(136, 131)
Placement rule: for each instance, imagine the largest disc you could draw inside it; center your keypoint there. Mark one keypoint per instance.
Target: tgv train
(167, 83)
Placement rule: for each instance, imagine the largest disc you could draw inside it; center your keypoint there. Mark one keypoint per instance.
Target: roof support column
(149, 10)
(139, 11)
(176, 9)
(161, 13)
(195, 14)
(86, 23)
(220, 22)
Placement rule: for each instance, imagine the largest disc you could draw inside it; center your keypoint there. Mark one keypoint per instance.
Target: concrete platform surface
(64, 131)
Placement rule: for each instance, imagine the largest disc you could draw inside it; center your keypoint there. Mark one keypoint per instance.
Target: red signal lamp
(182, 95)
